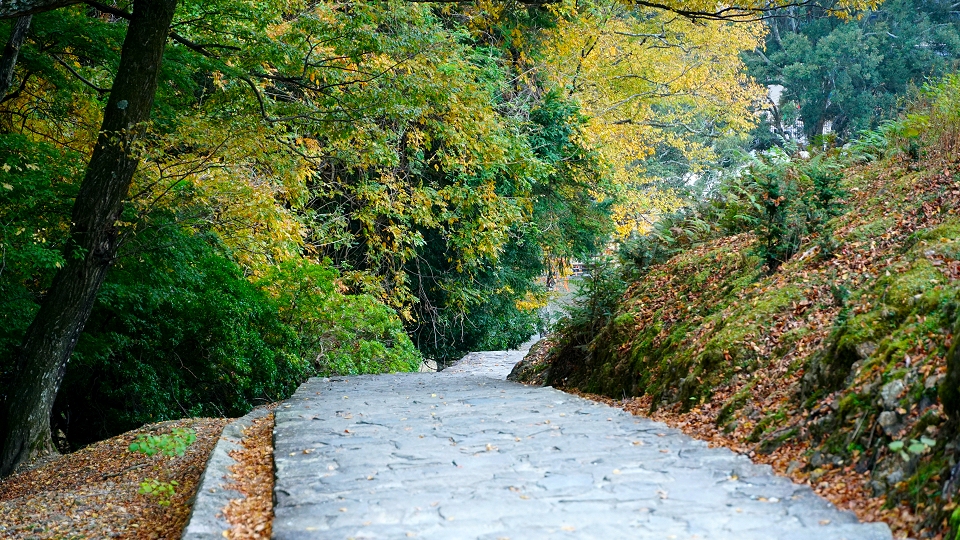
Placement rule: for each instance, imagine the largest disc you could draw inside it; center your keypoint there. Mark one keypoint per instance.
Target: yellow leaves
(647, 80)
(218, 80)
(234, 180)
(749, 10)
(532, 302)
(637, 210)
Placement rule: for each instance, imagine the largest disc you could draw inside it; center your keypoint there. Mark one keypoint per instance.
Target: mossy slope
(799, 364)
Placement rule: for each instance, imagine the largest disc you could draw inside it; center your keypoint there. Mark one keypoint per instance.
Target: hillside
(837, 367)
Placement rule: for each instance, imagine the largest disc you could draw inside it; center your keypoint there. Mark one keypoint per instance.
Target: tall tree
(851, 74)
(51, 337)
(53, 334)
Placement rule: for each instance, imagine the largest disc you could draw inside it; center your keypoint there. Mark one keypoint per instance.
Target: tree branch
(198, 47)
(82, 79)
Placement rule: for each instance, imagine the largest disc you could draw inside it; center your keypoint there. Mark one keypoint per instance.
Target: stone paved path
(463, 454)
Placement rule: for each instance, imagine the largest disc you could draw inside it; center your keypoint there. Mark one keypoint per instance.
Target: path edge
(206, 514)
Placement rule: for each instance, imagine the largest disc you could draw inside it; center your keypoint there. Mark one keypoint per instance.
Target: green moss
(735, 403)
(771, 444)
(908, 289)
(768, 424)
(790, 338)
(624, 319)
(854, 403)
(872, 229)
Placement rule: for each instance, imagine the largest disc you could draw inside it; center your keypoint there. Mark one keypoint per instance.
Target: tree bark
(10, 9)
(10, 53)
(52, 336)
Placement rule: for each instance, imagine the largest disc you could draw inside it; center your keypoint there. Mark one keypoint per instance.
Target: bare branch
(82, 79)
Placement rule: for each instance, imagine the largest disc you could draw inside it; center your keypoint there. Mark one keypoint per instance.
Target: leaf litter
(93, 492)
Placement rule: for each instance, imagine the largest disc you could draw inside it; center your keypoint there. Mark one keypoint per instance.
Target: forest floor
(94, 492)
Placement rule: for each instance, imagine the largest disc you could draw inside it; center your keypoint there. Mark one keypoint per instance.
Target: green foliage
(955, 523)
(780, 199)
(36, 185)
(342, 334)
(794, 200)
(916, 447)
(162, 491)
(854, 73)
(598, 294)
(170, 444)
(570, 222)
(935, 123)
(177, 331)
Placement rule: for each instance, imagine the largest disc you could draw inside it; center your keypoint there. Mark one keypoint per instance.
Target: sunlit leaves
(649, 79)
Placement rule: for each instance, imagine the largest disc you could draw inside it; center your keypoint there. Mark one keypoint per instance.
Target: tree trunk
(10, 9)
(52, 336)
(9, 59)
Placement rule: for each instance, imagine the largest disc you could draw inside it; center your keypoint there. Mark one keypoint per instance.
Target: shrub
(339, 333)
(178, 330)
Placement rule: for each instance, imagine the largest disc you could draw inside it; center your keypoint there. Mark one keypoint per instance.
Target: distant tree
(853, 72)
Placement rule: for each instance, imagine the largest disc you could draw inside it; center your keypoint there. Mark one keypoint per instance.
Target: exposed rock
(534, 369)
(890, 393)
(817, 474)
(894, 477)
(428, 366)
(866, 349)
(816, 459)
(932, 382)
(889, 421)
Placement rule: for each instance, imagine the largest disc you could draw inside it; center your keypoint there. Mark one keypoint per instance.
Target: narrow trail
(464, 454)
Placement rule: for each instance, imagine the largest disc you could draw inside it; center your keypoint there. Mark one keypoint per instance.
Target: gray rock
(890, 394)
(894, 477)
(931, 382)
(889, 421)
(866, 349)
(428, 366)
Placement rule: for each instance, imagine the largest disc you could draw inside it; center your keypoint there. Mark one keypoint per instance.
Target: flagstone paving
(464, 454)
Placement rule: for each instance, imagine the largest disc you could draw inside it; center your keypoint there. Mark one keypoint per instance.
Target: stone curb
(206, 517)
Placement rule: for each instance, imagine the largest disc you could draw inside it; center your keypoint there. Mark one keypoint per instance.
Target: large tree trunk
(64, 310)
(10, 53)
